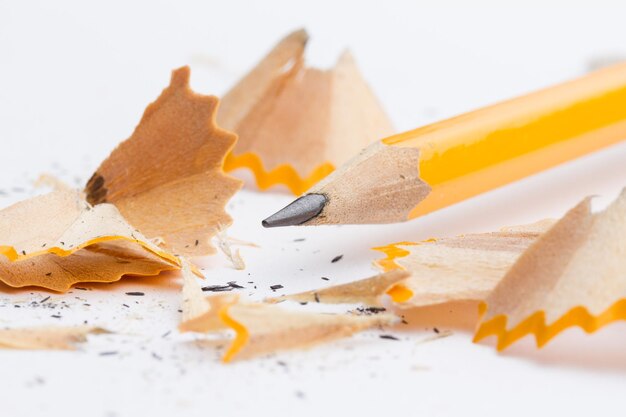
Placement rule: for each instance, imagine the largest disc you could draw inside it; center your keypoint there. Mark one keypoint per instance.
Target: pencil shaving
(367, 291)
(574, 275)
(264, 328)
(459, 268)
(57, 240)
(239, 242)
(296, 123)
(46, 338)
(167, 178)
(199, 312)
(435, 271)
(49, 180)
(224, 243)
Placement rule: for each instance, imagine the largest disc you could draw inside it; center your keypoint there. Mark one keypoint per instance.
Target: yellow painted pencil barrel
(479, 151)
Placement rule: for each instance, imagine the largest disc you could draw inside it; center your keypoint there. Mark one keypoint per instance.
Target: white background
(74, 80)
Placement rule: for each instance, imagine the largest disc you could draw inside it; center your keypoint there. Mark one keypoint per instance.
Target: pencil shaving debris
(224, 243)
(432, 272)
(295, 123)
(459, 268)
(49, 180)
(367, 291)
(573, 275)
(198, 313)
(46, 338)
(264, 328)
(57, 240)
(167, 178)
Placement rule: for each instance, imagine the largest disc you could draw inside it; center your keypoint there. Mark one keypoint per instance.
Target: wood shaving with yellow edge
(368, 291)
(434, 271)
(466, 267)
(167, 178)
(296, 123)
(199, 311)
(57, 240)
(46, 338)
(265, 328)
(573, 275)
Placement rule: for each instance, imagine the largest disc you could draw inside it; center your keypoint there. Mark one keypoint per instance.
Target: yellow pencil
(416, 172)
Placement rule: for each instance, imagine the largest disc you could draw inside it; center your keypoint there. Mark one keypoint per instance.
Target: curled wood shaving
(56, 240)
(367, 291)
(295, 123)
(435, 271)
(465, 267)
(167, 178)
(573, 275)
(46, 338)
(264, 328)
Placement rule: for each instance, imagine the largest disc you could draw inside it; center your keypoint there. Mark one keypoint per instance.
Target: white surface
(74, 80)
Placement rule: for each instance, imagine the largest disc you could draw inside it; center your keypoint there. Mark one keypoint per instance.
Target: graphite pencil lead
(300, 211)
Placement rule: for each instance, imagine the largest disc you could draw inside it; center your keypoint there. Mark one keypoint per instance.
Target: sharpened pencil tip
(300, 211)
